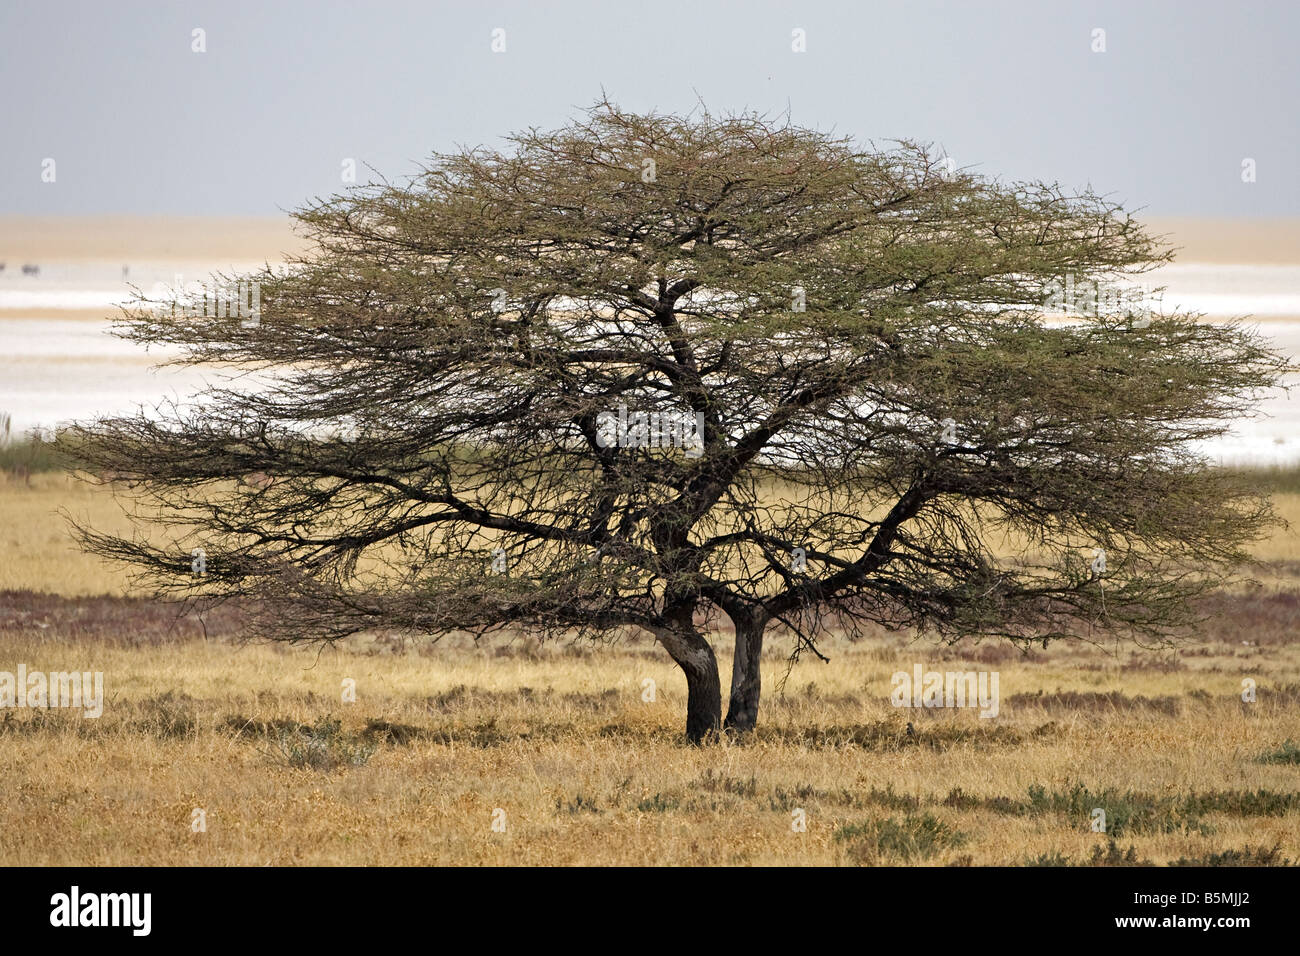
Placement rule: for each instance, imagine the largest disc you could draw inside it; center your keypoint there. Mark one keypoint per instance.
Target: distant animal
(256, 479)
(31, 270)
(911, 731)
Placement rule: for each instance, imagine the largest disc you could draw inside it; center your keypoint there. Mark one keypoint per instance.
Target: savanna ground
(584, 770)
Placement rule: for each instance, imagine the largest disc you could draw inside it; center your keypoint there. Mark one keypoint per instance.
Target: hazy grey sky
(139, 123)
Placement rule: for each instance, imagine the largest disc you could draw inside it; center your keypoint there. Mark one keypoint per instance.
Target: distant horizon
(111, 236)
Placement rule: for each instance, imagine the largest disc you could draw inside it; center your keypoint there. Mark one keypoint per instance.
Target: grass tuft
(322, 746)
(911, 839)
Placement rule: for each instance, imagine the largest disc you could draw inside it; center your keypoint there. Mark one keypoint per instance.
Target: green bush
(912, 838)
(323, 746)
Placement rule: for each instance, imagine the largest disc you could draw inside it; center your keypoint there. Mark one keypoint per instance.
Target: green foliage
(1271, 479)
(167, 715)
(891, 800)
(1126, 812)
(659, 803)
(912, 838)
(323, 746)
(1112, 855)
(1288, 753)
(1248, 855)
(1133, 812)
(712, 782)
(1054, 858)
(580, 803)
(32, 454)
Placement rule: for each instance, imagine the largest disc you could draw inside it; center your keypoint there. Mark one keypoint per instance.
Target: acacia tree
(647, 371)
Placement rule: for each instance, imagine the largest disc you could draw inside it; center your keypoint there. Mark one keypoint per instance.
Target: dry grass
(37, 552)
(586, 772)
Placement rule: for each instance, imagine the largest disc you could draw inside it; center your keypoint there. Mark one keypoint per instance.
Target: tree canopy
(653, 372)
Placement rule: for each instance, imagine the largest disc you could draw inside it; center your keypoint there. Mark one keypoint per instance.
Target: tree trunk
(703, 686)
(742, 712)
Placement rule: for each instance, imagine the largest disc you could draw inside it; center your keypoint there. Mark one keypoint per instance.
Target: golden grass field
(584, 771)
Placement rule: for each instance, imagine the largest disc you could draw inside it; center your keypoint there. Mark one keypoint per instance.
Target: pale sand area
(1231, 241)
(57, 362)
(127, 238)
(82, 259)
(116, 239)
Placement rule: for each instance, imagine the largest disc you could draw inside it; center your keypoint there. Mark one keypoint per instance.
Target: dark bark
(746, 683)
(703, 686)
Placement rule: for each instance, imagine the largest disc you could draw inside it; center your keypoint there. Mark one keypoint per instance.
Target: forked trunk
(746, 683)
(703, 686)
